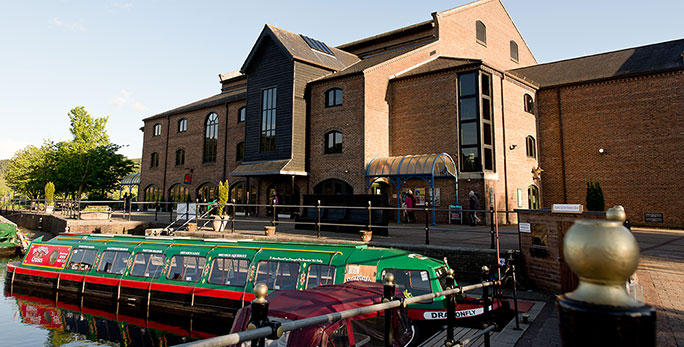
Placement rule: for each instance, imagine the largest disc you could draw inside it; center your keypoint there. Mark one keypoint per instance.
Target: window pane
(488, 159)
(320, 275)
(148, 265)
(470, 159)
(486, 85)
(469, 133)
(82, 259)
(114, 262)
(338, 97)
(186, 268)
(278, 274)
(412, 281)
(228, 271)
(487, 133)
(468, 108)
(486, 109)
(467, 84)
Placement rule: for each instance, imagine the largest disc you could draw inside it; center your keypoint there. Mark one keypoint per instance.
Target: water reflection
(40, 320)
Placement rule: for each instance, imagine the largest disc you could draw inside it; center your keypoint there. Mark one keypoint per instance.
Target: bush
(595, 200)
(49, 194)
(223, 190)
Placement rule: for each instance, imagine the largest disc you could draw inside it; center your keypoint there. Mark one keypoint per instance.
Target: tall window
(154, 159)
(179, 193)
(481, 32)
(531, 147)
(180, 157)
(514, 51)
(333, 142)
(182, 125)
(475, 108)
(152, 193)
(210, 138)
(533, 197)
(240, 151)
(333, 97)
(242, 114)
(207, 192)
(268, 120)
(156, 130)
(529, 103)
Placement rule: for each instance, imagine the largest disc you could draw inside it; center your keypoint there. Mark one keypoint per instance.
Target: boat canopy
(400, 169)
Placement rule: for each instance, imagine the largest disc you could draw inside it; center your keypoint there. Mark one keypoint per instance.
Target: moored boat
(9, 241)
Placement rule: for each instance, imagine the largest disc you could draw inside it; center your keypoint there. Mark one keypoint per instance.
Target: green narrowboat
(214, 275)
(9, 242)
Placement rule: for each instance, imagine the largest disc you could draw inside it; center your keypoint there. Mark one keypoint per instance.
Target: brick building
(301, 117)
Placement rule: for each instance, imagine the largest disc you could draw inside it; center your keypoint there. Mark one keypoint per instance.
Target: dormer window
(333, 97)
(481, 32)
(514, 51)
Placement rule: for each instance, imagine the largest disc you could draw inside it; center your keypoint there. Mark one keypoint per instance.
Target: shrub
(595, 200)
(49, 194)
(223, 190)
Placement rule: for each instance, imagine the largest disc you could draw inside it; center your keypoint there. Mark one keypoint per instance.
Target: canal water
(27, 320)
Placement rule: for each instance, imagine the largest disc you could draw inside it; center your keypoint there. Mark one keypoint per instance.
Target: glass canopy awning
(400, 169)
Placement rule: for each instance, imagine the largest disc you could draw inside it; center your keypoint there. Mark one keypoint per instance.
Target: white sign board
(182, 209)
(524, 228)
(567, 208)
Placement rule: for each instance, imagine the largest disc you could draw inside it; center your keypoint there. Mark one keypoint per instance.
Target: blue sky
(132, 59)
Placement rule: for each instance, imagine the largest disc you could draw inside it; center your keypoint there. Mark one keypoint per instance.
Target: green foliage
(223, 189)
(595, 200)
(50, 194)
(88, 164)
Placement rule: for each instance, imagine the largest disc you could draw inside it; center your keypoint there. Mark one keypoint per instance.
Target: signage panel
(47, 255)
(567, 208)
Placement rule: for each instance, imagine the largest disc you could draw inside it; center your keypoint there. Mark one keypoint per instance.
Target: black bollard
(388, 292)
(259, 314)
(485, 304)
(450, 303)
(427, 226)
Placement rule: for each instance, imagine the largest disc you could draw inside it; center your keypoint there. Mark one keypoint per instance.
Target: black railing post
(197, 212)
(485, 304)
(275, 216)
(318, 220)
(492, 244)
(427, 224)
(388, 292)
(450, 303)
(259, 314)
(156, 210)
(171, 212)
(232, 218)
(187, 210)
(370, 213)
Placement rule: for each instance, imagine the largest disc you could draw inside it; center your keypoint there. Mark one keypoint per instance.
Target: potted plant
(366, 235)
(49, 197)
(220, 219)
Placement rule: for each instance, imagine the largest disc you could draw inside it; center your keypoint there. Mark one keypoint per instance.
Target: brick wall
(638, 123)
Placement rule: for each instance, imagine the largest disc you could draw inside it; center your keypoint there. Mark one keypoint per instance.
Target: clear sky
(133, 59)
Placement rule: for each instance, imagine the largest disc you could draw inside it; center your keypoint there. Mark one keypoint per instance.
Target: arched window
(210, 138)
(481, 32)
(154, 159)
(179, 193)
(237, 193)
(531, 146)
(242, 114)
(180, 157)
(152, 193)
(333, 187)
(533, 197)
(156, 130)
(207, 192)
(182, 125)
(333, 97)
(240, 151)
(333, 142)
(514, 51)
(529, 103)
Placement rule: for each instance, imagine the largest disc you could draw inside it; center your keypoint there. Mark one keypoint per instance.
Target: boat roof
(297, 304)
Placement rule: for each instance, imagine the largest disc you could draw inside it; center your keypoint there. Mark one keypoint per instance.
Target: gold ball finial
(260, 292)
(485, 268)
(603, 254)
(617, 213)
(389, 278)
(450, 272)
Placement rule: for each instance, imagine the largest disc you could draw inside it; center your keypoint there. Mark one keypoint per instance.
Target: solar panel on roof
(317, 45)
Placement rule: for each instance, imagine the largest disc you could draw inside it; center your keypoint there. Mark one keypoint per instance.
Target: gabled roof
(207, 102)
(631, 61)
(441, 63)
(294, 45)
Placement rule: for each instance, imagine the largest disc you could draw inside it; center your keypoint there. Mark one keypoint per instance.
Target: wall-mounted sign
(524, 227)
(567, 208)
(650, 217)
(187, 179)
(47, 255)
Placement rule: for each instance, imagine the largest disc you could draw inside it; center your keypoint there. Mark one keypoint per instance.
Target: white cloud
(123, 99)
(121, 5)
(68, 26)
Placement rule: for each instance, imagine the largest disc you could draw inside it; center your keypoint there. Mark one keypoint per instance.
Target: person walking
(474, 205)
(410, 202)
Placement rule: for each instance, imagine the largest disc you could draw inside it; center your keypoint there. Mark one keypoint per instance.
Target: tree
(28, 171)
(595, 200)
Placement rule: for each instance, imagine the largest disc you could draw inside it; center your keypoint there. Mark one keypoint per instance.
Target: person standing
(410, 202)
(276, 201)
(474, 205)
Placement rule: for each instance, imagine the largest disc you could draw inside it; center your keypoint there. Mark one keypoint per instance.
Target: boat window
(320, 275)
(114, 262)
(148, 265)
(411, 282)
(82, 259)
(186, 268)
(228, 271)
(278, 274)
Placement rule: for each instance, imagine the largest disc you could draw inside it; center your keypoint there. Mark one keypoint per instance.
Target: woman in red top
(410, 200)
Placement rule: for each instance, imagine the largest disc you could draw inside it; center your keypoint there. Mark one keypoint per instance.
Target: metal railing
(261, 328)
